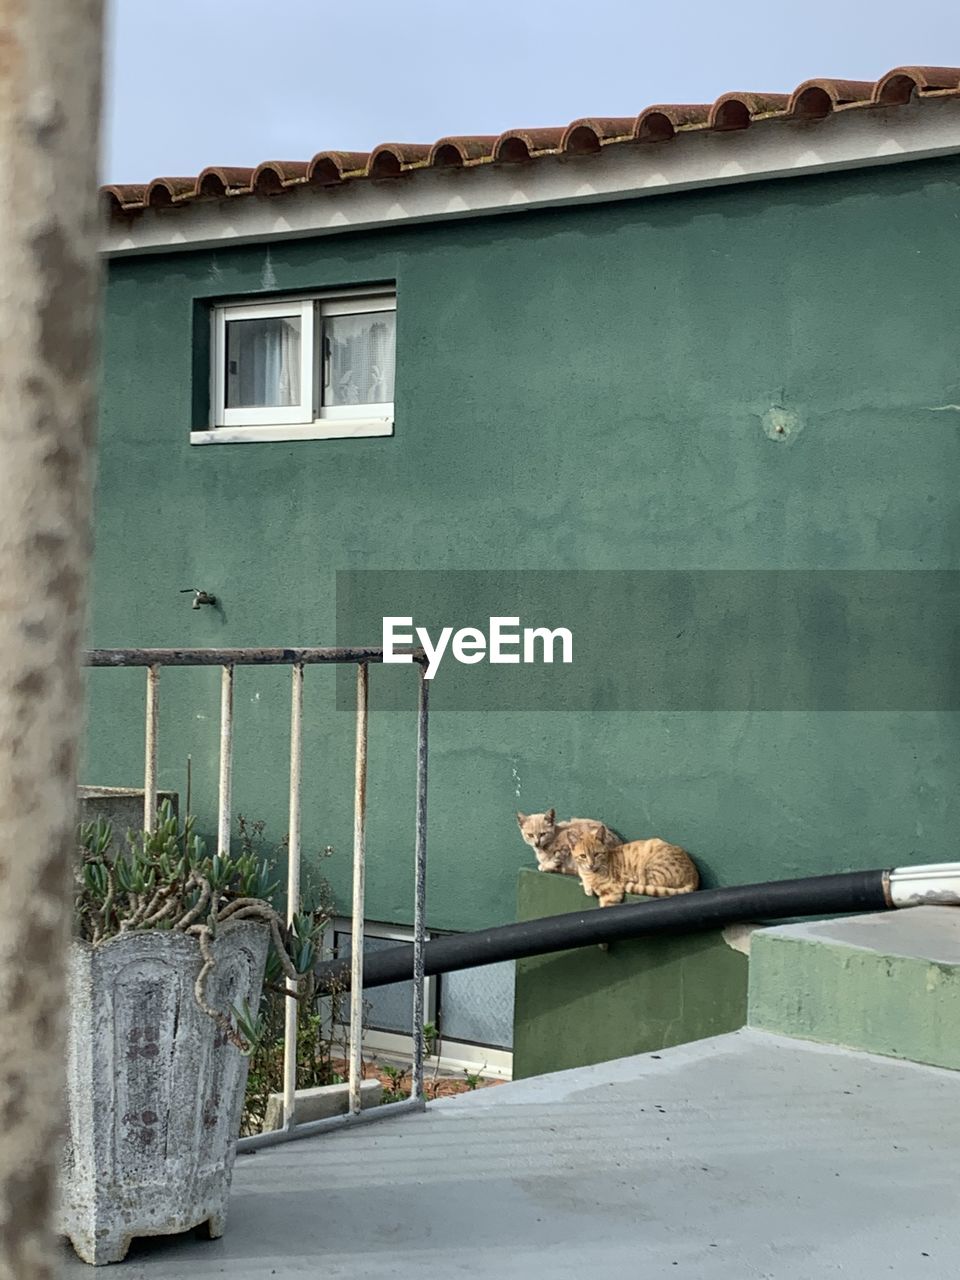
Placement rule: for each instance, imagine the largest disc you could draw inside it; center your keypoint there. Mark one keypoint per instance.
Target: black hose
(686, 913)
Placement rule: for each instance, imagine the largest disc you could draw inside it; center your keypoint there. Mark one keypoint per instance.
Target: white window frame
(455, 1055)
(310, 419)
(269, 415)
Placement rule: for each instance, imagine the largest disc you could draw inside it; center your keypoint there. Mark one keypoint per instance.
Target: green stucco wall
(578, 388)
(577, 1007)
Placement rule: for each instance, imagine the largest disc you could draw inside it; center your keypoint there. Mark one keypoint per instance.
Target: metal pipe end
(934, 883)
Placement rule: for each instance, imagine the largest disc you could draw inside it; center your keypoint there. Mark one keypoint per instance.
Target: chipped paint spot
(515, 774)
(782, 425)
(737, 937)
(934, 977)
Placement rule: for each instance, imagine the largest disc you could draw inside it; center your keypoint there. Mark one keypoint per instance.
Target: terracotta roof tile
(660, 123)
(391, 159)
(122, 196)
(812, 100)
(451, 153)
(740, 110)
(519, 145)
(273, 176)
(815, 99)
(162, 192)
(329, 167)
(585, 136)
(217, 181)
(899, 85)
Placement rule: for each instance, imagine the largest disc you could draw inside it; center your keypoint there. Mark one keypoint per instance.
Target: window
(472, 1010)
(302, 368)
(386, 1009)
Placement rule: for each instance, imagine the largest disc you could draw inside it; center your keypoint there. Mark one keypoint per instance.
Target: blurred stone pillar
(50, 59)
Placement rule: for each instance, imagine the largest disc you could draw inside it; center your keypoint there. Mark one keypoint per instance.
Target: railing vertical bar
(359, 871)
(226, 761)
(293, 888)
(420, 887)
(150, 749)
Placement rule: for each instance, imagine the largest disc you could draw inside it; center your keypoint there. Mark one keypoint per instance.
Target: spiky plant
(164, 879)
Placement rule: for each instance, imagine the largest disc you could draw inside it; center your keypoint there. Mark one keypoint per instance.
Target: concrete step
(887, 983)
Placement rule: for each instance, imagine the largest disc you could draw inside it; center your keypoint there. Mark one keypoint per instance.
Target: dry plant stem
(282, 991)
(270, 917)
(239, 909)
(203, 934)
(145, 906)
(161, 913)
(107, 904)
(237, 905)
(155, 903)
(202, 903)
(49, 106)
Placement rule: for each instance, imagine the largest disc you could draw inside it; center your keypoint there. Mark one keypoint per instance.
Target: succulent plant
(164, 879)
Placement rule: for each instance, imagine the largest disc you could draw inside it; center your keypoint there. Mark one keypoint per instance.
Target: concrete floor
(743, 1157)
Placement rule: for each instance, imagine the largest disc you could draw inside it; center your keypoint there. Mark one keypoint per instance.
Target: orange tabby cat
(552, 841)
(650, 867)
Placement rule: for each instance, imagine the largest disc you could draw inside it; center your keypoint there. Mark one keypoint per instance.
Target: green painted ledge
(886, 983)
(574, 1008)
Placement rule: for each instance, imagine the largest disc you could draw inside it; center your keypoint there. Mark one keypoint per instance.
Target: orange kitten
(552, 841)
(649, 867)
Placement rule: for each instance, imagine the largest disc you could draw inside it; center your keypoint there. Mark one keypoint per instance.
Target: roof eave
(778, 147)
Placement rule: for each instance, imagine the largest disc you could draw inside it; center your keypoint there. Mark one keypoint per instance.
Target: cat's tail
(658, 890)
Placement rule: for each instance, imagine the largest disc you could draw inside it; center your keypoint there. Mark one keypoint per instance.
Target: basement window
(314, 368)
(471, 1012)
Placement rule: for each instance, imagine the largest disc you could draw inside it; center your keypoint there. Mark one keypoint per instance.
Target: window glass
(385, 1008)
(358, 364)
(263, 363)
(476, 1005)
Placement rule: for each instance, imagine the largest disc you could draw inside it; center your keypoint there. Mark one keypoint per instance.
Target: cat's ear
(551, 815)
(521, 818)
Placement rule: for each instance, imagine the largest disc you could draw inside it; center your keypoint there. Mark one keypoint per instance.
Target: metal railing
(297, 659)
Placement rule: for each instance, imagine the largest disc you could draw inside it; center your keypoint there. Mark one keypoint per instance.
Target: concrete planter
(155, 1091)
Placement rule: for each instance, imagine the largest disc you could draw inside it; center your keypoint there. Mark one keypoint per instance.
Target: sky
(190, 83)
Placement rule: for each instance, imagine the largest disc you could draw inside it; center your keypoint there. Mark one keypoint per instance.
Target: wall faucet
(199, 597)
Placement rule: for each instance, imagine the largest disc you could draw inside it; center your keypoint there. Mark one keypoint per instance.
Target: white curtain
(263, 363)
(360, 355)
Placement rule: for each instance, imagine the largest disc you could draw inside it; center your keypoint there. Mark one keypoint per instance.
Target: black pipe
(686, 913)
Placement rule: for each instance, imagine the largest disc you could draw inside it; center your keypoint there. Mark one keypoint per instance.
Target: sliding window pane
(359, 352)
(263, 363)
